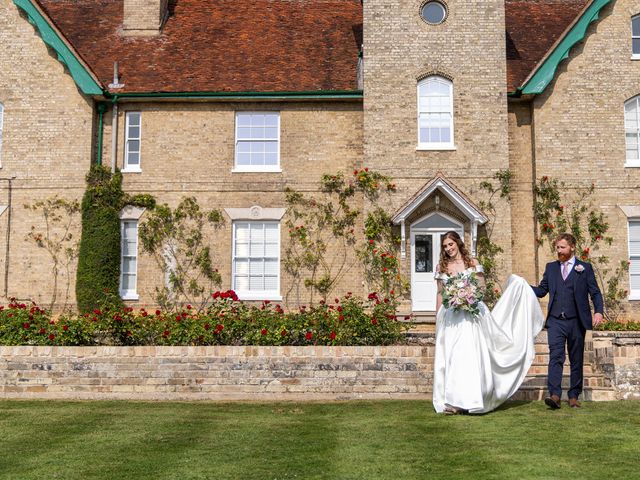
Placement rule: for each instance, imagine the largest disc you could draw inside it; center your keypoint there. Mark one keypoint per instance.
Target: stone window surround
(256, 168)
(129, 213)
(255, 214)
(126, 168)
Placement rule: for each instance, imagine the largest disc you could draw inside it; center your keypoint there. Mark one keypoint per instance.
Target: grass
(356, 440)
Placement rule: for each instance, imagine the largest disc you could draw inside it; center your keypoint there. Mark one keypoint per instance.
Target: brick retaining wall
(617, 355)
(216, 373)
(279, 373)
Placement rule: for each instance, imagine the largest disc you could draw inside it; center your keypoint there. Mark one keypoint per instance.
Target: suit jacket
(584, 285)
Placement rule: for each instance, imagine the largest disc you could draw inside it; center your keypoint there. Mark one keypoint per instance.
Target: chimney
(144, 17)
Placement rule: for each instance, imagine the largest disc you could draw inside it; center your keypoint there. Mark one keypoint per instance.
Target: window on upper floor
(632, 131)
(635, 36)
(133, 132)
(634, 259)
(129, 259)
(257, 142)
(435, 113)
(1, 123)
(256, 260)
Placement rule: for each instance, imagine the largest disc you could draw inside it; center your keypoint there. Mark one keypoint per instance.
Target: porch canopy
(459, 200)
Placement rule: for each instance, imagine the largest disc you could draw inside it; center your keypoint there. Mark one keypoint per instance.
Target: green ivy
(99, 256)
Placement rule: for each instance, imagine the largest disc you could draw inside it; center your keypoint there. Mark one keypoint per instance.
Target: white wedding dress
(481, 361)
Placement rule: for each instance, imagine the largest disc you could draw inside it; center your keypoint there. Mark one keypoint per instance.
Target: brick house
(232, 102)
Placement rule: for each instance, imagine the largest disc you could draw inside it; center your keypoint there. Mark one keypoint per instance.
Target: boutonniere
(579, 268)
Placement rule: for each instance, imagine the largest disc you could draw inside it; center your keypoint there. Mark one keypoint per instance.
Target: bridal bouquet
(463, 292)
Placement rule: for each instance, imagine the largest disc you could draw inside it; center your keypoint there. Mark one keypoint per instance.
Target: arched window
(1, 122)
(632, 131)
(635, 36)
(435, 113)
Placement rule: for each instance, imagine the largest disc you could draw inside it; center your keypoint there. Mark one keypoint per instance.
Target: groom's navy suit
(568, 318)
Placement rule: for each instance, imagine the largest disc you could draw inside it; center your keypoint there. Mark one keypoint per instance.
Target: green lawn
(356, 440)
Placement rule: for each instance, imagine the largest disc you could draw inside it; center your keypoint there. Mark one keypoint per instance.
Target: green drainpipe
(102, 107)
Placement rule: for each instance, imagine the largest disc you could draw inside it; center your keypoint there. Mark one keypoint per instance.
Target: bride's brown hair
(464, 253)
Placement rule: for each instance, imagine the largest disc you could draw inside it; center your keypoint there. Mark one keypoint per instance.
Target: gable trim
(544, 72)
(467, 209)
(79, 72)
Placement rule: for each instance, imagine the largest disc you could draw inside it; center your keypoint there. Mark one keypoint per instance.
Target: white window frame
(127, 168)
(128, 294)
(1, 126)
(635, 55)
(630, 129)
(436, 145)
(634, 260)
(255, 294)
(256, 168)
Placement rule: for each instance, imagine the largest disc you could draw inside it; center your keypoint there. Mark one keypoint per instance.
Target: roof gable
(80, 72)
(440, 183)
(533, 27)
(544, 72)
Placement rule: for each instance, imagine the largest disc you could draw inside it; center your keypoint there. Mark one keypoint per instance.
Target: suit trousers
(569, 332)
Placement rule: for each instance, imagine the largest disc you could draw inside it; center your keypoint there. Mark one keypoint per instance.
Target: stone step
(418, 317)
(539, 380)
(596, 394)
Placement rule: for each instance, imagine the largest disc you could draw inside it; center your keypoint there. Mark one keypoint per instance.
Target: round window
(433, 12)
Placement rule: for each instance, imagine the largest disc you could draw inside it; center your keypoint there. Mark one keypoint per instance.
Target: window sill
(635, 56)
(131, 170)
(256, 296)
(634, 296)
(423, 148)
(129, 296)
(256, 170)
(632, 165)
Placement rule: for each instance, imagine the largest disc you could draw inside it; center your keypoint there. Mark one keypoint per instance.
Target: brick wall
(578, 124)
(617, 354)
(612, 371)
(187, 149)
(216, 373)
(46, 147)
(469, 48)
(143, 17)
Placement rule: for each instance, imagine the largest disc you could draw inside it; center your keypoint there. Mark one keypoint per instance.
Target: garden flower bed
(226, 321)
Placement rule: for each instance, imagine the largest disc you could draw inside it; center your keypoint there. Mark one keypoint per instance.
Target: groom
(569, 283)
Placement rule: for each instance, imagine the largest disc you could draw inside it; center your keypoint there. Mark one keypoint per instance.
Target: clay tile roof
(267, 45)
(221, 45)
(533, 26)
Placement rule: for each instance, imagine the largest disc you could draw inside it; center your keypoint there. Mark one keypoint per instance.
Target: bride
(481, 356)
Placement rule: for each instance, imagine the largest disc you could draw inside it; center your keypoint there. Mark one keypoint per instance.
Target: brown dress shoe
(574, 403)
(553, 402)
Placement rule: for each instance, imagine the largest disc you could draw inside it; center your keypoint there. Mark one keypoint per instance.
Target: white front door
(425, 248)
(426, 235)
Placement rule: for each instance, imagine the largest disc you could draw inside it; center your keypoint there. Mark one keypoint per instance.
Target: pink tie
(565, 270)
